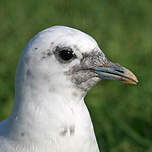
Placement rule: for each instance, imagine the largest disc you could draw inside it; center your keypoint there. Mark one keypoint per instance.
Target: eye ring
(66, 54)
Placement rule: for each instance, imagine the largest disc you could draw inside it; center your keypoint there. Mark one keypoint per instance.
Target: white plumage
(57, 68)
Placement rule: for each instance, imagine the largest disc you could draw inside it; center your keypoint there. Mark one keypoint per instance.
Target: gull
(56, 70)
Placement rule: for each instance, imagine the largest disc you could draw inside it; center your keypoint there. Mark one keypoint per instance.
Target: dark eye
(66, 54)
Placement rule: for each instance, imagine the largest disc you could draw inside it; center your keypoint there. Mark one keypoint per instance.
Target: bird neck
(42, 112)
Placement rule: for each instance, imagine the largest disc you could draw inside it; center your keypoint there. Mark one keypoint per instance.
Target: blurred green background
(122, 114)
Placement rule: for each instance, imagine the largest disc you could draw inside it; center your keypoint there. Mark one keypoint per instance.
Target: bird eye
(66, 54)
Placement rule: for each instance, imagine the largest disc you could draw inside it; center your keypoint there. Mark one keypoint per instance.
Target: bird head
(64, 59)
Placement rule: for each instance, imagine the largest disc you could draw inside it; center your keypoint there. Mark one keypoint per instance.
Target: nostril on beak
(120, 71)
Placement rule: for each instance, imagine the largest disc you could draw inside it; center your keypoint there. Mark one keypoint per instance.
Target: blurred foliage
(122, 114)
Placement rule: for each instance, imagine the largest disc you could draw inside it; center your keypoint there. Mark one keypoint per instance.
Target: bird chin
(83, 79)
(86, 82)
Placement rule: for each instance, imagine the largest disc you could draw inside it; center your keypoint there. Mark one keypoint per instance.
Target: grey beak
(115, 72)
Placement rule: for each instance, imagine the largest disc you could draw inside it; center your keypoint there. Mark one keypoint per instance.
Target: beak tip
(136, 80)
(133, 79)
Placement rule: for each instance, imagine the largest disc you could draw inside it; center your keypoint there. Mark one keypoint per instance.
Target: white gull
(57, 68)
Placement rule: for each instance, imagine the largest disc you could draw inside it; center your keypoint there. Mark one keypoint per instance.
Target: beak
(115, 72)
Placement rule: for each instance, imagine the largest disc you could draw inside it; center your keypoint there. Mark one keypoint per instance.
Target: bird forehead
(68, 37)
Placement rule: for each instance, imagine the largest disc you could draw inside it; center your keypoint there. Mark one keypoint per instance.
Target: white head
(66, 61)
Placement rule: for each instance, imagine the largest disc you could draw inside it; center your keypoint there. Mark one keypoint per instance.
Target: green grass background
(122, 114)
